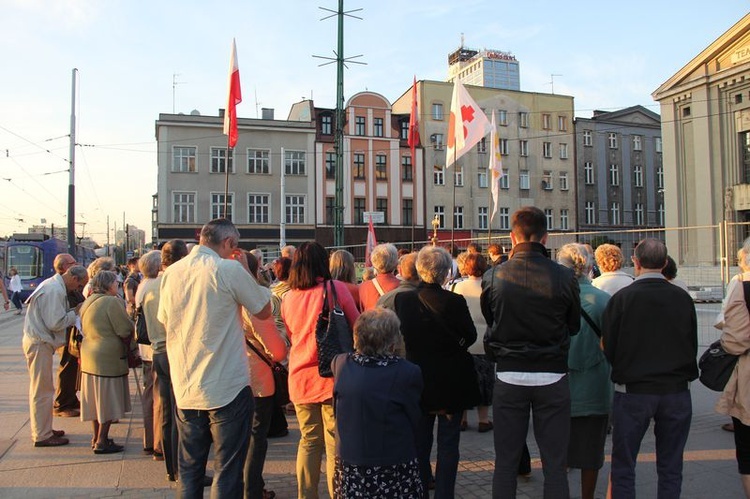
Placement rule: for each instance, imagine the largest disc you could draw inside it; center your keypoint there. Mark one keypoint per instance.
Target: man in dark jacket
(532, 307)
(649, 331)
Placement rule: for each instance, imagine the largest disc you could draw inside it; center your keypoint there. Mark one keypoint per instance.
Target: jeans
(448, 437)
(317, 427)
(228, 428)
(256, 453)
(632, 413)
(169, 443)
(550, 406)
(16, 299)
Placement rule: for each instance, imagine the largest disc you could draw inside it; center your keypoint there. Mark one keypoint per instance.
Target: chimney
(267, 113)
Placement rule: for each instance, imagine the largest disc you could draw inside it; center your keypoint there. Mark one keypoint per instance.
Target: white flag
(466, 126)
(495, 166)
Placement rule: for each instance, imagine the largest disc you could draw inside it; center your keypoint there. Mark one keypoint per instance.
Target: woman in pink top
(311, 394)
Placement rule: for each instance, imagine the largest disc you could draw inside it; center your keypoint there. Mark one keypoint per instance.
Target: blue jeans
(448, 438)
(256, 453)
(632, 413)
(169, 443)
(228, 428)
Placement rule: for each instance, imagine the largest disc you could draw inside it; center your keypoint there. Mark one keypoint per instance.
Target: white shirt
(47, 316)
(201, 296)
(612, 282)
(15, 284)
(471, 289)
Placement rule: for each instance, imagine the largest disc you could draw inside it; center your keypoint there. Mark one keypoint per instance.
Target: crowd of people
(518, 337)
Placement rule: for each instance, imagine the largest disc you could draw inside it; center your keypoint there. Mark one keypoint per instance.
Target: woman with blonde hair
(612, 279)
(342, 269)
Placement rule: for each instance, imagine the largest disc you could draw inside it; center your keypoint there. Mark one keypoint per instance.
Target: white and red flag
(234, 97)
(414, 122)
(467, 124)
(496, 165)
(371, 243)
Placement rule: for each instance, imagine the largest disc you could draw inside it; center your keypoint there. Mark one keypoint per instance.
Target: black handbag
(141, 331)
(333, 335)
(280, 376)
(716, 366)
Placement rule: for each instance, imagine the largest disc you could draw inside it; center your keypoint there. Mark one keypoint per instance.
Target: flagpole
(489, 203)
(226, 177)
(453, 209)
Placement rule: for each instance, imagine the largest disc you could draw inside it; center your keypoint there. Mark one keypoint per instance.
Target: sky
(130, 52)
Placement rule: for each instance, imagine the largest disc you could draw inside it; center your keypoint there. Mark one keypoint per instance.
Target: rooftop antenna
(552, 81)
(462, 40)
(174, 88)
(257, 104)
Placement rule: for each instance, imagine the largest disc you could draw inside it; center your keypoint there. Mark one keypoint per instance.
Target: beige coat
(105, 325)
(735, 338)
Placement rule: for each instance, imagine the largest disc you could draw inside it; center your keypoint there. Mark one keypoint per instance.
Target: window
(504, 147)
(504, 214)
(638, 213)
(295, 209)
(502, 117)
(657, 144)
(587, 139)
(562, 123)
(326, 124)
(546, 121)
(563, 181)
(330, 210)
(660, 210)
(547, 180)
(523, 182)
(437, 139)
(359, 165)
(458, 217)
(381, 167)
(407, 174)
(359, 211)
(523, 148)
(564, 219)
(183, 207)
(547, 149)
(437, 111)
(482, 180)
(440, 214)
(219, 160)
(483, 218)
(638, 176)
(378, 126)
(523, 120)
(563, 151)
(458, 175)
(217, 205)
(183, 159)
(549, 215)
(588, 173)
(615, 211)
(359, 125)
(258, 161)
(294, 162)
(590, 213)
(257, 208)
(404, 129)
(637, 142)
(660, 177)
(686, 111)
(482, 145)
(438, 175)
(612, 140)
(381, 204)
(330, 165)
(505, 180)
(407, 211)
(614, 174)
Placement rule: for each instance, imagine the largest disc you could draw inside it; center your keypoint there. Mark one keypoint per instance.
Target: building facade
(485, 68)
(705, 110)
(620, 175)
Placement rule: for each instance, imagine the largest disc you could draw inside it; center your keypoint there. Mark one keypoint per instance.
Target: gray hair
(150, 263)
(384, 258)
(99, 265)
(102, 281)
(434, 264)
(377, 333)
(78, 271)
(577, 257)
(217, 230)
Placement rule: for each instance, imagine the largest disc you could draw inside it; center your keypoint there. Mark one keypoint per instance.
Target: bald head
(63, 262)
(651, 254)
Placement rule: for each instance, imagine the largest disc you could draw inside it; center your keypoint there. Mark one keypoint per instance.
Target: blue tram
(33, 256)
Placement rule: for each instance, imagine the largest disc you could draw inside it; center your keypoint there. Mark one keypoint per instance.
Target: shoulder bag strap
(591, 323)
(262, 356)
(746, 290)
(326, 309)
(377, 286)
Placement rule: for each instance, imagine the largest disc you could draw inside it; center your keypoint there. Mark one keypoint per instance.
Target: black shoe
(207, 481)
(110, 448)
(278, 434)
(171, 477)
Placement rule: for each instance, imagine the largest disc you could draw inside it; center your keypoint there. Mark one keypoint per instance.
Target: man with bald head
(649, 335)
(66, 403)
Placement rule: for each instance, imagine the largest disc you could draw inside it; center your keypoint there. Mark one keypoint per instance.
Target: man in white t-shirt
(201, 300)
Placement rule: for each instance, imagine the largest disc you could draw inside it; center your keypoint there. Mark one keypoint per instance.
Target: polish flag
(414, 122)
(467, 124)
(234, 97)
(496, 165)
(371, 243)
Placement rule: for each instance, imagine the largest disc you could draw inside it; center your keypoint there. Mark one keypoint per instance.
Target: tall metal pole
(72, 176)
(282, 202)
(338, 210)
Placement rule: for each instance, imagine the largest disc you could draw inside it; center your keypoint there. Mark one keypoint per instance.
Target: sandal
(110, 448)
